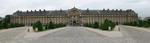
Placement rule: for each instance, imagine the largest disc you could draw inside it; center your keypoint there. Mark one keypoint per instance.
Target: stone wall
(30, 20)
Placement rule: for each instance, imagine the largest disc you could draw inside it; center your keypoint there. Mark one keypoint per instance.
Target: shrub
(112, 25)
(51, 25)
(148, 22)
(95, 25)
(139, 23)
(103, 27)
(60, 25)
(5, 23)
(107, 24)
(37, 25)
(87, 25)
(34, 26)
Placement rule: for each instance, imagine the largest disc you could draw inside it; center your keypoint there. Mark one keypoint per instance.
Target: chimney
(103, 9)
(60, 10)
(44, 10)
(27, 11)
(31, 11)
(34, 10)
(107, 9)
(113, 10)
(40, 10)
(121, 10)
(116, 9)
(87, 9)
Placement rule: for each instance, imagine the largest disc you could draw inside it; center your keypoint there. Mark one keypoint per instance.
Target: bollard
(109, 28)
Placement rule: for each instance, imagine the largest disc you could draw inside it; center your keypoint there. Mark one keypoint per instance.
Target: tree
(86, 25)
(95, 25)
(134, 23)
(148, 22)
(46, 27)
(140, 23)
(4, 23)
(60, 25)
(37, 25)
(34, 26)
(145, 24)
(51, 25)
(7, 18)
(107, 24)
(103, 27)
(112, 25)
(0, 22)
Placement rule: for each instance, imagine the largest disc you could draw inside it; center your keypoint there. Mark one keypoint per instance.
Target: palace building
(73, 16)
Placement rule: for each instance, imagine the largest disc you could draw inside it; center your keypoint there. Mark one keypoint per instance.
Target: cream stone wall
(29, 20)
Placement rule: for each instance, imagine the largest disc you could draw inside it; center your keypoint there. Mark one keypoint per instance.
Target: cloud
(10, 6)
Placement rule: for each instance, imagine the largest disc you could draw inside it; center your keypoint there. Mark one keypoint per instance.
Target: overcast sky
(142, 7)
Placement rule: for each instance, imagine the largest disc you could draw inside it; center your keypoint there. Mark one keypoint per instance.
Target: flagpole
(74, 3)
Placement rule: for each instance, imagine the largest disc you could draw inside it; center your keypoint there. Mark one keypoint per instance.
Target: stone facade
(74, 16)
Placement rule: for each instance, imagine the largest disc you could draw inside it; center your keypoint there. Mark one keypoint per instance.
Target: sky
(8, 7)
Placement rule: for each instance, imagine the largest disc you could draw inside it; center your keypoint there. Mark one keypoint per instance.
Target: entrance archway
(75, 23)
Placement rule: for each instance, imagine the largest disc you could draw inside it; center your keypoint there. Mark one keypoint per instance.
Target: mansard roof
(42, 13)
(103, 12)
(65, 12)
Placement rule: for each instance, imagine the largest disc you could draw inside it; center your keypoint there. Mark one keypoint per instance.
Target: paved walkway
(140, 35)
(76, 35)
(11, 35)
(79, 35)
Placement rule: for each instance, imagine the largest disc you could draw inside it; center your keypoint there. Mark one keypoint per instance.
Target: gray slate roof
(65, 12)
